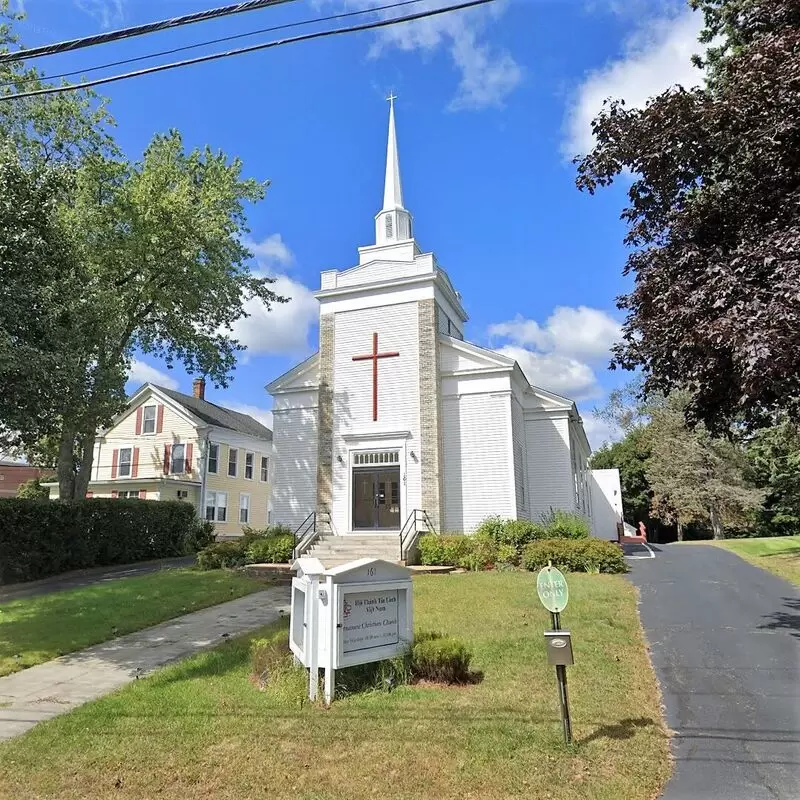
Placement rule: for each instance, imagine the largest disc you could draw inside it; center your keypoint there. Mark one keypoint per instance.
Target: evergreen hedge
(39, 538)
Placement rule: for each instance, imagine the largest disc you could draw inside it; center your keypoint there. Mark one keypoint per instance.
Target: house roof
(213, 414)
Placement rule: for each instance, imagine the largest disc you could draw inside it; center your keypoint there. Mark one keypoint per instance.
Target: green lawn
(37, 629)
(778, 554)
(202, 729)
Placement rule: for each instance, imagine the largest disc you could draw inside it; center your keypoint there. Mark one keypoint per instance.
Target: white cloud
(580, 332)
(142, 372)
(557, 373)
(284, 329)
(261, 415)
(106, 12)
(656, 55)
(598, 431)
(271, 251)
(487, 74)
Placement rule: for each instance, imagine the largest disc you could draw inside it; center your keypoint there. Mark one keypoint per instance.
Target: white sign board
(369, 619)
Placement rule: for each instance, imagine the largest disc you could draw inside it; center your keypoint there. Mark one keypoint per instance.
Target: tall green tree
(712, 220)
(145, 256)
(694, 476)
(774, 456)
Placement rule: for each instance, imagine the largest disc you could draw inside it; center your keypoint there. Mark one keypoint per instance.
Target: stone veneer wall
(430, 411)
(325, 431)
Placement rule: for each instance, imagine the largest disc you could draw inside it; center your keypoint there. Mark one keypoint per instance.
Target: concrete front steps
(335, 550)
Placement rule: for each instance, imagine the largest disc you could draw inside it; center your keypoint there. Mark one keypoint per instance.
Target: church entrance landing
(376, 499)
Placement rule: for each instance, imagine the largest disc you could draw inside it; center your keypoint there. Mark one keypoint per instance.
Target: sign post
(551, 586)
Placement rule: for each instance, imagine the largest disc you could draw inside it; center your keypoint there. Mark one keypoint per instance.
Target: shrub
(270, 549)
(578, 555)
(565, 525)
(514, 532)
(40, 538)
(222, 555)
(200, 535)
(443, 659)
(250, 535)
(444, 550)
(33, 490)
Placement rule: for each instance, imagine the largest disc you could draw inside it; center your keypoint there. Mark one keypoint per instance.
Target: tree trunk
(680, 531)
(716, 524)
(85, 470)
(66, 464)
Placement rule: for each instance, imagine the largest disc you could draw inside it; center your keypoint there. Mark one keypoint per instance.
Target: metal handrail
(305, 534)
(410, 531)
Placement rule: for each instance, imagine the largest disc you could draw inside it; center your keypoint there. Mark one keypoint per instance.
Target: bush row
(271, 545)
(39, 538)
(585, 555)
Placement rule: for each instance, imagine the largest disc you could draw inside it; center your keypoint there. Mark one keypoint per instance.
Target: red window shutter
(139, 421)
(142, 494)
(113, 494)
(160, 419)
(135, 463)
(89, 495)
(188, 469)
(114, 460)
(167, 449)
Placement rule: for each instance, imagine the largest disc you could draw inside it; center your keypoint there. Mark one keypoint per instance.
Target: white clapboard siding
(377, 271)
(397, 327)
(294, 441)
(520, 459)
(476, 460)
(550, 480)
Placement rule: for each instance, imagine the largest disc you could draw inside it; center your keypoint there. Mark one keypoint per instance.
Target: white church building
(398, 424)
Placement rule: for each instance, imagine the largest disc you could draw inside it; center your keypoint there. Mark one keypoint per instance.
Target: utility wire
(251, 49)
(210, 42)
(137, 30)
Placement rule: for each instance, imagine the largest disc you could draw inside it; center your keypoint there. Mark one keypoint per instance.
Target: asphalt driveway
(725, 639)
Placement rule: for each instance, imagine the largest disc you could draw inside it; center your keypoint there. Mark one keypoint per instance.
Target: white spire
(393, 222)
(392, 190)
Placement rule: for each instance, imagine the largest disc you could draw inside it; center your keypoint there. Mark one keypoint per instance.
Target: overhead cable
(242, 50)
(230, 38)
(137, 30)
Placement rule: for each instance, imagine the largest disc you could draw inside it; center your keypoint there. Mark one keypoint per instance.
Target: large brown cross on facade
(373, 357)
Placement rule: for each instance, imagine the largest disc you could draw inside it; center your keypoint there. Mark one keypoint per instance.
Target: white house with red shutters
(167, 445)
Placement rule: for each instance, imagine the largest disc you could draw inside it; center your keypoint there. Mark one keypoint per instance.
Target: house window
(244, 508)
(264, 469)
(216, 506)
(233, 457)
(213, 458)
(249, 460)
(149, 419)
(124, 468)
(178, 465)
(129, 495)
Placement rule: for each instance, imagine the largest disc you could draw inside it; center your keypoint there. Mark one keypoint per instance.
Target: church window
(369, 459)
(389, 226)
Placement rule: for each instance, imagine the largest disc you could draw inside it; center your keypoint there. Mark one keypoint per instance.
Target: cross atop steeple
(391, 98)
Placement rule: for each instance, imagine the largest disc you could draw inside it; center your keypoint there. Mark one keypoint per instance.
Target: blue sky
(491, 104)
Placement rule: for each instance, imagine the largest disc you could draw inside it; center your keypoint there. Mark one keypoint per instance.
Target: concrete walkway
(50, 689)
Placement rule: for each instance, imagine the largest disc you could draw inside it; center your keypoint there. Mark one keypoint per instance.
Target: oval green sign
(551, 586)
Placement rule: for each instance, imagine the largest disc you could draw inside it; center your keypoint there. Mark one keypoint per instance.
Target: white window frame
(214, 471)
(145, 432)
(244, 505)
(182, 469)
(235, 462)
(214, 505)
(128, 463)
(252, 466)
(129, 494)
(264, 469)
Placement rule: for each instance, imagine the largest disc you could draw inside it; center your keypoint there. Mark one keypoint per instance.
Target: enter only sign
(551, 586)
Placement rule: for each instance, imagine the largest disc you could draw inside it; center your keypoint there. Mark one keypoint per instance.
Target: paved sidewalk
(50, 689)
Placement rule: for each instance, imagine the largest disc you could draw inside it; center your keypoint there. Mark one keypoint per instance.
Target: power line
(137, 30)
(230, 38)
(242, 50)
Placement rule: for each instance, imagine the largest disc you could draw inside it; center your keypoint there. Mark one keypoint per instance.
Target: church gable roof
(304, 375)
(458, 356)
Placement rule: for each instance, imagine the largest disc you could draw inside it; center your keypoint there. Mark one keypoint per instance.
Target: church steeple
(393, 222)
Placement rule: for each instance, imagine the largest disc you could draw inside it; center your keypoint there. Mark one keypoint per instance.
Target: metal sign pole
(561, 677)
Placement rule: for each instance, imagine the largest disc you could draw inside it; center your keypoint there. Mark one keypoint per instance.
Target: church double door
(376, 499)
